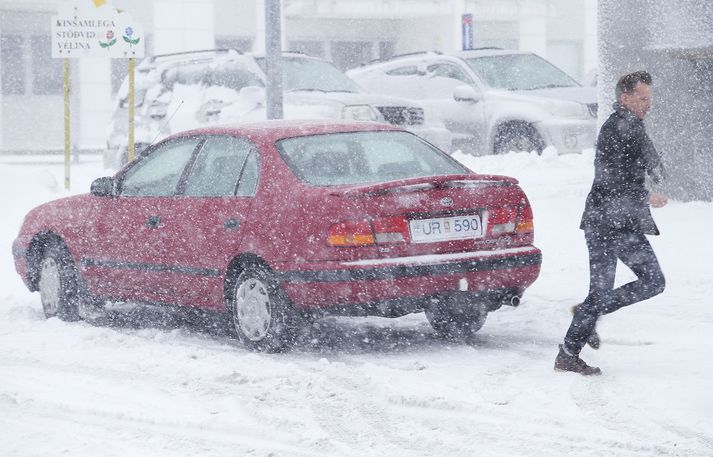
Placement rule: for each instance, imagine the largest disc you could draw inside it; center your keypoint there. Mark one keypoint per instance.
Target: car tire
(518, 137)
(457, 319)
(58, 285)
(262, 314)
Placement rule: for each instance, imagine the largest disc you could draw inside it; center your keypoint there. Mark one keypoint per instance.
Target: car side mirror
(466, 94)
(102, 187)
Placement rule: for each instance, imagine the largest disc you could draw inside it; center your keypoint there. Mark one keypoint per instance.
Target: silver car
(492, 100)
(229, 87)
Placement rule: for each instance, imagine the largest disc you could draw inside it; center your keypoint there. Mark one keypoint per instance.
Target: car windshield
(311, 74)
(519, 72)
(233, 75)
(363, 158)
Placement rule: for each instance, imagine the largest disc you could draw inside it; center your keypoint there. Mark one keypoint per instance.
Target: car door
(464, 118)
(127, 260)
(205, 225)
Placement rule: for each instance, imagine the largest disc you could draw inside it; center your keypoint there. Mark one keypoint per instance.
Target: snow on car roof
(283, 128)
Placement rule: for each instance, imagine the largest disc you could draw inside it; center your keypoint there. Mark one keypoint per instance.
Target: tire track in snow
(631, 421)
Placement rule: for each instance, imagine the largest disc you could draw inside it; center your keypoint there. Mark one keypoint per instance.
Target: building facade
(347, 33)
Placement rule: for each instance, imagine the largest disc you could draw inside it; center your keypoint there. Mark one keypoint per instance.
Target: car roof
(483, 52)
(479, 52)
(287, 128)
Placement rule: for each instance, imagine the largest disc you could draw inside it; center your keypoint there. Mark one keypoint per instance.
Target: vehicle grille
(402, 115)
(593, 107)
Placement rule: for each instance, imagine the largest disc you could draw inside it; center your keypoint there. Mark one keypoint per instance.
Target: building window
(13, 64)
(47, 73)
(351, 54)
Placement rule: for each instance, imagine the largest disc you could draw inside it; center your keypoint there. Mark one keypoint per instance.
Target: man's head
(633, 91)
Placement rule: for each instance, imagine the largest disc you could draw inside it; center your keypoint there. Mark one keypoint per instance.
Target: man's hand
(657, 199)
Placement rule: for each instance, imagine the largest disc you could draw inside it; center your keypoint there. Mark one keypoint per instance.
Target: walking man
(617, 219)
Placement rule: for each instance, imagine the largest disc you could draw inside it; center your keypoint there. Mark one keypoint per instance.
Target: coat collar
(624, 112)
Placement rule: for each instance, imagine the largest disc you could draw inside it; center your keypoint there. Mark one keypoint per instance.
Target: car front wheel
(517, 137)
(262, 315)
(58, 284)
(455, 318)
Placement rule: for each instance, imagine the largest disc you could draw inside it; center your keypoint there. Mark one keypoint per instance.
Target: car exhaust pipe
(514, 301)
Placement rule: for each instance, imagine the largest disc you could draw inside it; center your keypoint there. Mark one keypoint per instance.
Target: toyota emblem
(447, 201)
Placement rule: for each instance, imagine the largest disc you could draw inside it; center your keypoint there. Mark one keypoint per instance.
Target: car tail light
(510, 220)
(364, 232)
(390, 230)
(351, 233)
(502, 220)
(525, 218)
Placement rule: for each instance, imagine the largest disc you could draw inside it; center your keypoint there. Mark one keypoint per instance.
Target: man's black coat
(618, 199)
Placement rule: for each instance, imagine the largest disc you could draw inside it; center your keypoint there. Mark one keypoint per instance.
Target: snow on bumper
(369, 281)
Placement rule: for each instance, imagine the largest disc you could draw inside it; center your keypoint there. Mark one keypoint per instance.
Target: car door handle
(231, 224)
(154, 222)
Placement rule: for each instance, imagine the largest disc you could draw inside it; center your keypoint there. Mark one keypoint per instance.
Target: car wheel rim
(49, 286)
(252, 306)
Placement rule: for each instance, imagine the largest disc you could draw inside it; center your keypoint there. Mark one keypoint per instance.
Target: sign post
(91, 28)
(467, 31)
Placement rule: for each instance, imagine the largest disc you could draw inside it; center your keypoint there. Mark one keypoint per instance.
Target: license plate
(446, 228)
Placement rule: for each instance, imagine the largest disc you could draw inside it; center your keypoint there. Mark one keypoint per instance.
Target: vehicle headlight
(158, 111)
(360, 113)
(567, 109)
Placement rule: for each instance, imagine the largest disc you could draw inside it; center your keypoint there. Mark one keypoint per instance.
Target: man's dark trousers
(634, 250)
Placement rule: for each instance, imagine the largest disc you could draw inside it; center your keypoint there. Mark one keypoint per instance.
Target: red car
(275, 220)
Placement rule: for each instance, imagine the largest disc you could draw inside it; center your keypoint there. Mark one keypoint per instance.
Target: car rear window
(364, 157)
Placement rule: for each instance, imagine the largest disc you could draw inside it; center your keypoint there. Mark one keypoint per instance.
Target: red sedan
(275, 220)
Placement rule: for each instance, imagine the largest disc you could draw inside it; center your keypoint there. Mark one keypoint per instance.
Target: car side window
(405, 71)
(225, 166)
(158, 173)
(446, 70)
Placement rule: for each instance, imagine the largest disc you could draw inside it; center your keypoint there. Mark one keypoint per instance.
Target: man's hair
(626, 83)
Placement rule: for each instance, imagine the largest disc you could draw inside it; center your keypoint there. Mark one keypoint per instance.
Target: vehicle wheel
(59, 291)
(455, 319)
(518, 138)
(262, 315)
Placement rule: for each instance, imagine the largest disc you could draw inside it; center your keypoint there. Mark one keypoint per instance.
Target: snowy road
(373, 387)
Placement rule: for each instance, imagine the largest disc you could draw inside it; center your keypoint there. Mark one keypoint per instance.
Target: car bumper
(437, 136)
(351, 283)
(569, 135)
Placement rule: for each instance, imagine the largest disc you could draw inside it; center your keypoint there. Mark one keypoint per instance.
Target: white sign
(93, 28)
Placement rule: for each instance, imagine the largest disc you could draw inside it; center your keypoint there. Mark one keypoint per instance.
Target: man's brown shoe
(593, 341)
(566, 362)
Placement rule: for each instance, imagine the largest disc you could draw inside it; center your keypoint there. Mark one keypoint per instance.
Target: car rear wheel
(57, 284)
(517, 137)
(262, 315)
(455, 318)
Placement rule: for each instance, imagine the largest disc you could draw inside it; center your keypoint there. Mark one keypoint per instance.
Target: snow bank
(158, 384)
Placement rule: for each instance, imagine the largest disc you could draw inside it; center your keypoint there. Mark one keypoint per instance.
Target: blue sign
(467, 31)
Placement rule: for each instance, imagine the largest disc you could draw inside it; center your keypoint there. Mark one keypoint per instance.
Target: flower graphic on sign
(127, 37)
(110, 40)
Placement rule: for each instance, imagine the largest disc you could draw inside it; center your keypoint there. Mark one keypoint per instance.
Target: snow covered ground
(372, 387)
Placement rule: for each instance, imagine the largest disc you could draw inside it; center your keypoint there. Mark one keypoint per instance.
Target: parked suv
(492, 100)
(225, 86)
